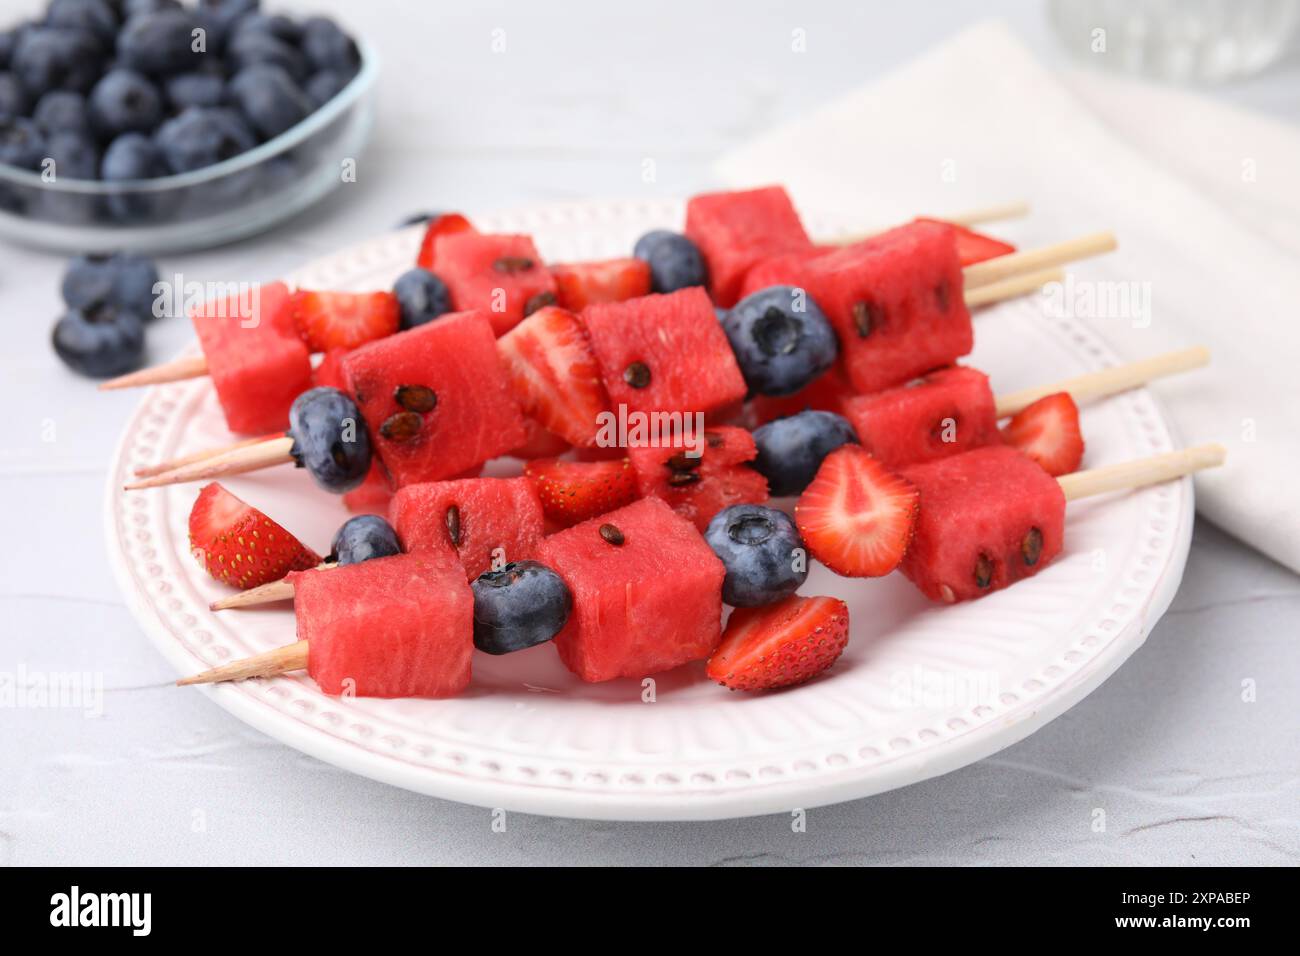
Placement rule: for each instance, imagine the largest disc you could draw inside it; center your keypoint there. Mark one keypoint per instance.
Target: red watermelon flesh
(496, 520)
(443, 224)
(474, 416)
(329, 373)
(826, 393)
(664, 353)
(580, 284)
(373, 495)
(896, 303)
(945, 413)
(257, 361)
(699, 486)
(540, 443)
(972, 246)
(501, 276)
(639, 607)
(391, 627)
(988, 518)
(735, 230)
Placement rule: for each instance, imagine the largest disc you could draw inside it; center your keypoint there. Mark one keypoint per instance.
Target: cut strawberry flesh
(972, 246)
(446, 224)
(343, 320)
(1048, 432)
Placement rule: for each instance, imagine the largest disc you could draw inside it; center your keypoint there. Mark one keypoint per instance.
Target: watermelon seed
(684, 462)
(539, 301)
(453, 525)
(513, 264)
(941, 295)
(403, 426)
(865, 318)
(983, 571)
(679, 478)
(713, 439)
(611, 534)
(1031, 549)
(637, 375)
(415, 398)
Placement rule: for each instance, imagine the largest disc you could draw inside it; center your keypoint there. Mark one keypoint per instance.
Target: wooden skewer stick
(163, 466)
(291, 657)
(231, 461)
(1108, 381)
(1142, 472)
(972, 217)
(1081, 484)
(269, 593)
(1012, 287)
(1032, 260)
(177, 370)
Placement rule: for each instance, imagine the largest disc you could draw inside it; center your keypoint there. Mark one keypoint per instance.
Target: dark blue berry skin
(75, 155)
(131, 156)
(325, 85)
(269, 98)
(675, 262)
(226, 13)
(93, 16)
(13, 97)
(248, 48)
(8, 40)
(520, 606)
(62, 111)
(125, 101)
(87, 282)
(135, 8)
(277, 25)
(421, 296)
(21, 143)
(762, 552)
(195, 89)
(123, 279)
(781, 338)
(362, 538)
(790, 450)
(48, 58)
(160, 43)
(328, 47)
(329, 439)
(203, 136)
(100, 342)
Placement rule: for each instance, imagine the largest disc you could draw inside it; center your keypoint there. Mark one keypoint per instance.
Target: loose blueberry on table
(109, 299)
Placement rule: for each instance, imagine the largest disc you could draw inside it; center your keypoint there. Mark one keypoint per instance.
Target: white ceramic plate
(921, 690)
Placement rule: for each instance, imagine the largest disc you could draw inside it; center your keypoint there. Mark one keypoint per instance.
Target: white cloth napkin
(978, 121)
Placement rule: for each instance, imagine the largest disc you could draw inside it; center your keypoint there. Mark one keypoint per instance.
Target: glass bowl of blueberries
(152, 125)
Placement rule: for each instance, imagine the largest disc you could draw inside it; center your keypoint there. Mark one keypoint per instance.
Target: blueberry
(13, 97)
(329, 439)
(131, 156)
(8, 40)
(269, 97)
(75, 155)
(790, 450)
(62, 110)
(195, 89)
(122, 279)
(138, 8)
(325, 85)
(21, 143)
(87, 282)
(523, 604)
(781, 338)
(248, 48)
(762, 552)
(93, 16)
(277, 25)
(362, 538)
(101, 341)
(328, 47)
(202, 136)
(674, 261)
(226, 13)
(160, 42)
(422, 297)
(125, 101)
(48, 58)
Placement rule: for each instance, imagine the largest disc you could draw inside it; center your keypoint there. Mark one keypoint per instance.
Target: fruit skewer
(247, 456)
(1128, 475)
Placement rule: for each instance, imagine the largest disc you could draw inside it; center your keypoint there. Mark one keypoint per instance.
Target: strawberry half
(441, 225)
(972, 246)
(579, 284)
(554, 375)
(857, 516)
(240, 546)
(779, 645)
(1048, 432)
(573, 491)
(343, 320)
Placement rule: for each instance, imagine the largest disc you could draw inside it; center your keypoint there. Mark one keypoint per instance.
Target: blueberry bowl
(237, 197)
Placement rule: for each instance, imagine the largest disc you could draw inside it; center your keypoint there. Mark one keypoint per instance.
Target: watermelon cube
(257, 361)
(580, 284)
(736, 230)
(647, 592)
(945, 413)
(485, 521)
(664, 353)
(701, 478)
(435, 398)
(373, 495)
(826, 393)
(441, 224)
(502, 276)
(390, 627)
(988, 518)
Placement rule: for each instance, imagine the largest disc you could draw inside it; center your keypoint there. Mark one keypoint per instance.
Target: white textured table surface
(1180, 766)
